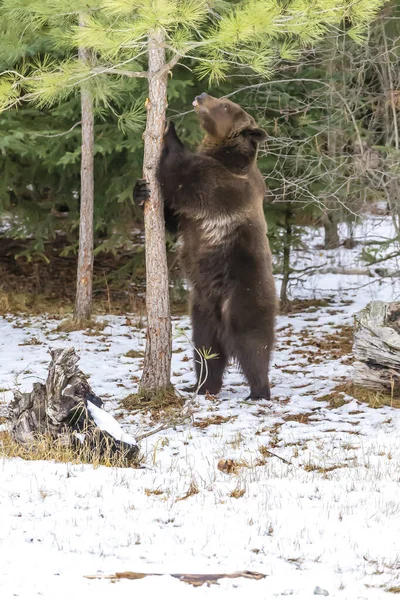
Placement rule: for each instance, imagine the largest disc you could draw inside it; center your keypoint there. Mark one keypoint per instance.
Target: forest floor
(213, 494)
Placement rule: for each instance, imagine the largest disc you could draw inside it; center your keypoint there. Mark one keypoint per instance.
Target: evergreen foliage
(211, 40)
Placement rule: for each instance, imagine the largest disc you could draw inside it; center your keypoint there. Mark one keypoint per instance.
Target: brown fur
(217, 195)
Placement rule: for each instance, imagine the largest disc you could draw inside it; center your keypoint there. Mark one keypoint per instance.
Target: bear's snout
(199, 99)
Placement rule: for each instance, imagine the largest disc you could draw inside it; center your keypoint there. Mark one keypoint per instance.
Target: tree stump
(377, 348)
(66, 408)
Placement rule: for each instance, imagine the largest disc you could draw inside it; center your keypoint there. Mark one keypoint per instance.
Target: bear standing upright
(216, 196)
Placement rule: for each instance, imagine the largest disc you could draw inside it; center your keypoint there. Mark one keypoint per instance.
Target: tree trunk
(65, 408)
(157, 360)
(329, 214)
(84, 280)
(377, 348)
(286, 256)
(330, 224)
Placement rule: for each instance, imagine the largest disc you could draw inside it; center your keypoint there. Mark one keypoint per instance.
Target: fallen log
(66, 409)
(377, 348)
(195, 579)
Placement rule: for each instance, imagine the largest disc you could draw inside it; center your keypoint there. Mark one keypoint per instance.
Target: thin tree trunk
(286, 256)
(157, 360)
(329, 214)
(83, 300)
(392, 187)
(391, 89)
(330, 223)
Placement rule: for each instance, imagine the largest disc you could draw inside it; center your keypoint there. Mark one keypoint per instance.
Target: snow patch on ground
(330, 518)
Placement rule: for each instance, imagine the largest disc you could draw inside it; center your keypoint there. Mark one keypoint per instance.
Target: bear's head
(226, 123)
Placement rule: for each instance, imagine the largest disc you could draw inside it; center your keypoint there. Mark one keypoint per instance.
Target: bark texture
(377, 348)
(60, 407)
(157, 361)
(83, 300)
(330, 223)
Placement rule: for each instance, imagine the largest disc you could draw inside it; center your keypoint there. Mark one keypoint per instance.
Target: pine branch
(125, 73)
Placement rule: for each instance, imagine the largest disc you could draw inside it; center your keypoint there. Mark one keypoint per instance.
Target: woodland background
(333, 151)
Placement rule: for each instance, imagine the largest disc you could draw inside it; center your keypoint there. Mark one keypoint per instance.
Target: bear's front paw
(169, 128)
(141, 192)
(171, 139)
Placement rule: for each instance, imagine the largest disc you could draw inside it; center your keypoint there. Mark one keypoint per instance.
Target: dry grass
(230, 466)
(330, 346)
(337, 344)
(134, 354)
(66, 450)
(213, 420)
(309, 467)
(340, 396)
(33, 341)
(92, 326)
(155, 492)
(165, 401)
(238, 492)
(33, 304)
(298, 418)
(309, 305)
(192, 491)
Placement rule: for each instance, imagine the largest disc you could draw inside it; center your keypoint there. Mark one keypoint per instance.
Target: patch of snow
(328, 520)
(106, 422)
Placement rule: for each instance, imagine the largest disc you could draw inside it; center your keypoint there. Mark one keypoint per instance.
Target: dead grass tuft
(337, 344)
(309, 467)
(162, 402)
(238, 492)
(65, 449)
(307, 305)
(303, 418)
(156, 492)
(230, 466)
(93, 327)
(213, 420)
(192, 491)
(134, 354)
(33, 341)
(34, 304)
(340, 396)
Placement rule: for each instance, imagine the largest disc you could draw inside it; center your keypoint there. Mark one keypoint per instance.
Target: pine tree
(216, 36)
(84, 278)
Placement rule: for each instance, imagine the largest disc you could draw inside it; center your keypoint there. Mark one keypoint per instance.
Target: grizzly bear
(215, 199)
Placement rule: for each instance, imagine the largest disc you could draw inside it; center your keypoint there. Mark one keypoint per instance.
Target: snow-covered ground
(330, 518)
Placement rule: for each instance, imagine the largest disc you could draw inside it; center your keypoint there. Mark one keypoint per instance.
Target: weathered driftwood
(195, 579)
(65, 407)
(377, 347)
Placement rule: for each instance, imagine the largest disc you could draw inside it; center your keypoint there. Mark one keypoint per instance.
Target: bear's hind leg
(205, 338)
(253, 355)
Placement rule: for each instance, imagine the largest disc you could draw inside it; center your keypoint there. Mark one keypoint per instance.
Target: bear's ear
(257, 135)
